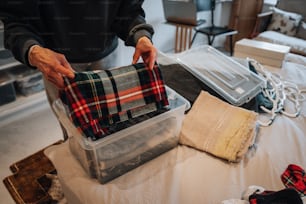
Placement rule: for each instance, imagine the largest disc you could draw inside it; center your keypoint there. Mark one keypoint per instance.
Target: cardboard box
(263, 60)
(264, 52)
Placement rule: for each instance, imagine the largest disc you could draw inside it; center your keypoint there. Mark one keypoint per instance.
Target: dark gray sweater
(82, 30)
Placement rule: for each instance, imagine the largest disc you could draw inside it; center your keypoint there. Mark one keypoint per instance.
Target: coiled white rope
(278, 92)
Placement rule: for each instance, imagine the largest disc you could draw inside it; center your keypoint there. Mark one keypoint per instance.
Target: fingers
(149, 60)
(64, 70)
(152, 60)
(136, 56)
(56, 79)
(53, 65)
(47, 61)
(67, 71)
(54, 73)
(147, 51)
(151, 64)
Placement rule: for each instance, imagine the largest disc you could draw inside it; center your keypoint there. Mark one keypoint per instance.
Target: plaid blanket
(98, 99)
(295, 177)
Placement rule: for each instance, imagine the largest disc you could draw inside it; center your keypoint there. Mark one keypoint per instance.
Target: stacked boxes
(263, 52)
(27, 81)
(7, 90)
(19, 80)
(1, 35)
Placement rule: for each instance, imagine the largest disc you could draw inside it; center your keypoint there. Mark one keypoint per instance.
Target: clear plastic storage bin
(118, 153)
(7, 90)
(27, 81)
(230, 79)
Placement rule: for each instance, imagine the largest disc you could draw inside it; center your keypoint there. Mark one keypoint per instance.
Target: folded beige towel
(218, 128)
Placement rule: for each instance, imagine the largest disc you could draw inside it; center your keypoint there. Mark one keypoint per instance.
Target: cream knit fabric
(216, 127)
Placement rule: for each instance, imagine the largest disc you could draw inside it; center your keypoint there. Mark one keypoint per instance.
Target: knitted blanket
(216, 127)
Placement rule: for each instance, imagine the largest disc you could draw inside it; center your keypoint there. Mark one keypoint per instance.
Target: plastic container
(1, 35)
(27, 81)
(7, 90)
(116, 154)
(230, 79)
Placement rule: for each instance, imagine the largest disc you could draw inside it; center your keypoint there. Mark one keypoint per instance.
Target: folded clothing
(98, 99)
(119, 151)
(216, 127)
(284, 196)
(294, 177)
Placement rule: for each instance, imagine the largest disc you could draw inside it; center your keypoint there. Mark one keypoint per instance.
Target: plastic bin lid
(230, 79)
(21, 71)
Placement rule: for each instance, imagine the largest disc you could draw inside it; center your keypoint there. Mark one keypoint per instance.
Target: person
(61, 37)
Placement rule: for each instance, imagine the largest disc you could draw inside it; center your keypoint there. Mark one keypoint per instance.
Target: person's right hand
(53, 65)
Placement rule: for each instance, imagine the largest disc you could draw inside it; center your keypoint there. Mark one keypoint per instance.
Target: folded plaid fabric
(294, 177)
(98, 99)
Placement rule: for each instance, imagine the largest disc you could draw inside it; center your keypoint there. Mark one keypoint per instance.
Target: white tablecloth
(184, 175)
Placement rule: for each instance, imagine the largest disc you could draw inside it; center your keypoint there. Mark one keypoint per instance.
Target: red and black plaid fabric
(294, 177)
(98, 99)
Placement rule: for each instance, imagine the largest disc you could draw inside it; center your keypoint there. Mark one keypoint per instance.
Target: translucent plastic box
(27, 81)
(227, 77)
(118, 153)
(7, 90)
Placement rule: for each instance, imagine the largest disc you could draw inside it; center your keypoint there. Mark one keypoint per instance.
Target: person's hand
(53, 65)
(146, 50)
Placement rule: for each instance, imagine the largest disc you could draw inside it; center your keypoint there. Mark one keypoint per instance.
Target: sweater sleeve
(130, 24)
(19, 35)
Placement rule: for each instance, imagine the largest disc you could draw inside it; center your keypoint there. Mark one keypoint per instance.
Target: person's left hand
(147, 51)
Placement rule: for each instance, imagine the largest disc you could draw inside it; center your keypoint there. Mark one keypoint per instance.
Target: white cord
(278, 92)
